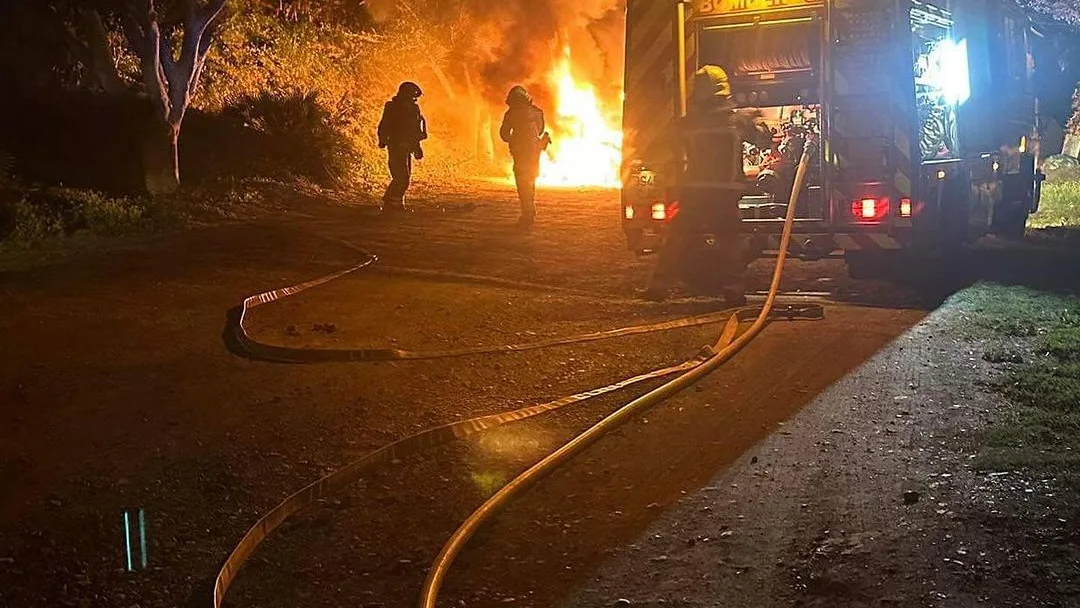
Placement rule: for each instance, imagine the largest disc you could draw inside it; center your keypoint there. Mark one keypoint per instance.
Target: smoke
(501, 43)
(524, 38)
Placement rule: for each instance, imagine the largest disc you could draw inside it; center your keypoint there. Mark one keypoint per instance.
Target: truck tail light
(628, 212)
(664, 211)
(905, 208)
(870, 210)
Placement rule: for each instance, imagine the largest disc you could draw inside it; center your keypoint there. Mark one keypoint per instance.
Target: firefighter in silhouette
(523, 129)
(702, 248)
(401, 130)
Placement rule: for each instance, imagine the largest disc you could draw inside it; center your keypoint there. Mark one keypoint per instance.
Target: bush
(301, 137)
(30, 216)
(1061, 168)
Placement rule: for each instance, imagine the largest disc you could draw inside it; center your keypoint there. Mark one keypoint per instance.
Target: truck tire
(1018, 191)
(1010, 219)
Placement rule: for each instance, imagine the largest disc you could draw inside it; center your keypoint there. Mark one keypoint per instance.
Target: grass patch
(989, 310)
(1042, 433)
(1063, 344)
(1060, 205)
(998, 353)
(29, 216)
(1046, 386)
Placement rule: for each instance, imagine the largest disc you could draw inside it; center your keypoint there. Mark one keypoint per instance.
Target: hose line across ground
(725, 348)
(710, 357)
(286, 354)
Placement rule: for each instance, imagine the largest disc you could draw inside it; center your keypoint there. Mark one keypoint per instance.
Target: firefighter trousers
(400, 162)
(702, 249)
(526, 171)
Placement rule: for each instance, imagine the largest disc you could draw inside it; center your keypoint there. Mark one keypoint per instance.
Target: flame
(586, 148)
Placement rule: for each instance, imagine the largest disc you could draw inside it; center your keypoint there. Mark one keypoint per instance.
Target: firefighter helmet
(410, 90)
(711, 84)
(517, 95)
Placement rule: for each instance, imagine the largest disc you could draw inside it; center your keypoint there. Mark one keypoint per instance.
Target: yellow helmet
(711, 84)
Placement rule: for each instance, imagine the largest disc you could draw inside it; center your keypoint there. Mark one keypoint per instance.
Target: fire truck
(921, 115)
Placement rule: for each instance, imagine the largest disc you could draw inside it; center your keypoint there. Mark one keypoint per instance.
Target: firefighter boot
(393, 206)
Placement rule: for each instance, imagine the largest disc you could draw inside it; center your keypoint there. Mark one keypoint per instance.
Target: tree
(1064, 11)
(170, 81)
(88, 39)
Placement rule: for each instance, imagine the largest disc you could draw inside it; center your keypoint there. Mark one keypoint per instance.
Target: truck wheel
(1018, 192)
(1010, 219)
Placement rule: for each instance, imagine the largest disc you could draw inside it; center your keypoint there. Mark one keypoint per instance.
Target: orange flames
(586, 150)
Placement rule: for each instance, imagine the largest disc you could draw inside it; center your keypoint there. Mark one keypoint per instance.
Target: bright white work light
(949, 71)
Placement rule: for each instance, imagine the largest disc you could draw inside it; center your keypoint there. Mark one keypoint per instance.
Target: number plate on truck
(704, 8)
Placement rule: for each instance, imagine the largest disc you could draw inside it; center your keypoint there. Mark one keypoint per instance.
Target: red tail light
(906, 209)
(672, 207)
(665, 210)
(870, 209)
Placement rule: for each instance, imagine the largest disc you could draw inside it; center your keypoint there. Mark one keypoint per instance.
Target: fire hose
(707, 360)
(723, 350)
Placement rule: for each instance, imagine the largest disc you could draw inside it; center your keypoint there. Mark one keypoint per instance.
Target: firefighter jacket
(523, 128)
(712, 137)
(402, 124)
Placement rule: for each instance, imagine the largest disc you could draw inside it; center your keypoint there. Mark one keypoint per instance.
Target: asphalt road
(119, 391)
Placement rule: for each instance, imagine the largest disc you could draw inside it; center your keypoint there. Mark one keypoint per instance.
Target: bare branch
(214, 10)
(144, 35)
(199, 31)
(171, 81)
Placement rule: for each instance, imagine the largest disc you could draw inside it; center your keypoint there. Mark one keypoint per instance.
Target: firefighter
(401, 130)
(523, 129)
(709, 194)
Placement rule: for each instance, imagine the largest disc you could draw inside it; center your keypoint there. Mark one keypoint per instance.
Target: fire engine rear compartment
(922, 146)
(782, 71)
(774, 68)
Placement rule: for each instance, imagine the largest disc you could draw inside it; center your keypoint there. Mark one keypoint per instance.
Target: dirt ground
(867, 497)
(119, 391)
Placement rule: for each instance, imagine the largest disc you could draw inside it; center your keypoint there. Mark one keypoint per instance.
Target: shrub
(1061, 168)
(29, 216)
(302, 138)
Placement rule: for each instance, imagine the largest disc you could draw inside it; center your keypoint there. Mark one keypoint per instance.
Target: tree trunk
(170, 81)
(161, 166)
(101, 58)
